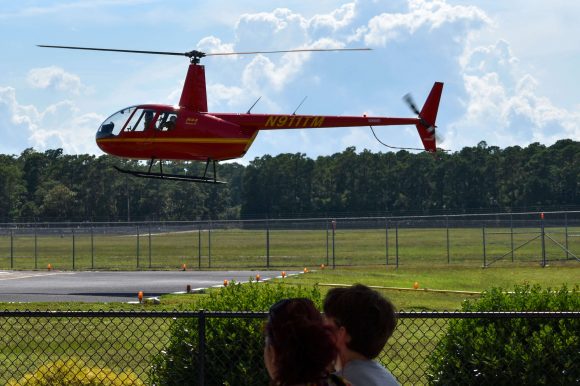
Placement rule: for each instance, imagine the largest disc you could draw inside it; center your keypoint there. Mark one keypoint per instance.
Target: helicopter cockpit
(137, 119)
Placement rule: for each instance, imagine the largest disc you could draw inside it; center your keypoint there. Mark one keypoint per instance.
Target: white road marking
(25, 275)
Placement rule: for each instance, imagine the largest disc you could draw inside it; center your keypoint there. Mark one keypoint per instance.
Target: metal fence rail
(128, 345)
(479, 240)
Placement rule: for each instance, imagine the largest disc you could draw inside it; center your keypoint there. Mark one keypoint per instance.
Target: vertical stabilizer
(194, 94)
(428, 116)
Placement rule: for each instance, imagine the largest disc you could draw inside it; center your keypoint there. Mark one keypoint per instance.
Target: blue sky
(510, 67)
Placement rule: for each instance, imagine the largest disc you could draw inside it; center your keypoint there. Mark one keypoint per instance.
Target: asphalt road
(94, 286)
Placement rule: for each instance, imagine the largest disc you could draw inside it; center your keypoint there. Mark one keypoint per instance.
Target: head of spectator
(363, 320)
(299, 346)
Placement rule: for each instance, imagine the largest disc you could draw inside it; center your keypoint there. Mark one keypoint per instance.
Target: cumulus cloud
(212, 44)
(335, 20)
(55, 78)
(218, 93)
(262, 71)
(431, 14)
(285, 29)
(288, 29)
(269, 30)
(503, 105)
(60, 125)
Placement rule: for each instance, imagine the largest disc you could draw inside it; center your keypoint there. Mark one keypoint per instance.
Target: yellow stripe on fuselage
(241, 141)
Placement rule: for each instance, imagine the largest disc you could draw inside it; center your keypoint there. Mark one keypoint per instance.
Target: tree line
(53, 186)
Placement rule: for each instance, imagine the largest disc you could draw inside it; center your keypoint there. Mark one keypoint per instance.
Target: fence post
(138, 246)
(35, 248)
(92, 248)
(566, 235)
(397, 245)
(11, 248)
(387, 240)
(483, 238)
(267, 243)
(333, 245)
(201, 348)
(149, 226)
(512, 234)
(209, 245)
(543, 240)
(199, 247)
(447, 229)
(327, 246)
(73, 249)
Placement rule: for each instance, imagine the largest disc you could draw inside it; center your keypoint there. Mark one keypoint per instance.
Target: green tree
(12, 190)
(59, 203)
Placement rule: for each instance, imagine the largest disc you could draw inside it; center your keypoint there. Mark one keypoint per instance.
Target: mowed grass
(237, 248)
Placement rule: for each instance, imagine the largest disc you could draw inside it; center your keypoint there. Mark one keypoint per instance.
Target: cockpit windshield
(113, 125)
(137, 119)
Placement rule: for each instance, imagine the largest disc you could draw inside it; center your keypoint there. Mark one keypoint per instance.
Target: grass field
(236, 248)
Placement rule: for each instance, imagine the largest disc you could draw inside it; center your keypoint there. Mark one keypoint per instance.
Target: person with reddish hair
(299, 348)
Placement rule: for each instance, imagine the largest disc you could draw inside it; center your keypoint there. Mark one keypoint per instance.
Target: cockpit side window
(141, 120)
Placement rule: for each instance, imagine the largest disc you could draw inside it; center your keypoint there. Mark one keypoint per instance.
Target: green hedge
(234, 347)
(518, 351)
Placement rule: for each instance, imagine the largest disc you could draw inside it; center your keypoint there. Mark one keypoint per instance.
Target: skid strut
(174, 177)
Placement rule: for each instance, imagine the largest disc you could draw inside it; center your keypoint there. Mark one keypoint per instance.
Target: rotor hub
(195, 56)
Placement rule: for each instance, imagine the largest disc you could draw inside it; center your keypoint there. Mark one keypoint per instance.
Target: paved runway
(94, 286)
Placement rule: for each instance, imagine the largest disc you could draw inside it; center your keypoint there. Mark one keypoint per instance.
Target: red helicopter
(188, 132)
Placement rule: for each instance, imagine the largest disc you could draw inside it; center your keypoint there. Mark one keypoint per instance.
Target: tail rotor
(427, 116)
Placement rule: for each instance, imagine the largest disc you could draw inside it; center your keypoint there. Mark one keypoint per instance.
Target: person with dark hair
(299, 347)
(362, 320)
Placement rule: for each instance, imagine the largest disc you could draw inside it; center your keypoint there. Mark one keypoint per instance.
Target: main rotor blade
(285, 51)
(115, 50)
(199, 54)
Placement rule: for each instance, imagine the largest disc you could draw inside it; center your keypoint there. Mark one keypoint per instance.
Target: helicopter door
(139, 128)
(140, 121)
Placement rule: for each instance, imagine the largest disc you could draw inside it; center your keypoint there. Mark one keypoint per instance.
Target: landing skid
(174, 177)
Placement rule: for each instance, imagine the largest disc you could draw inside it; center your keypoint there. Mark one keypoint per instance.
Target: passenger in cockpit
(147, 119)
(170, 124)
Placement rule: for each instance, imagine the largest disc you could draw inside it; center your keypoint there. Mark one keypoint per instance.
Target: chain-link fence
(149, 348)
(477, 240)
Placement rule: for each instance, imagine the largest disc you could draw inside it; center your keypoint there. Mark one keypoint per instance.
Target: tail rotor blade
(411, 103)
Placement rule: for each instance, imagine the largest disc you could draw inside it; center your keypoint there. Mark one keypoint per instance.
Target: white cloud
(262, 71)
(283, 29)
(212, 44)
(502, 103)
(422, 13)
(337, 19)
(55, 78)
(60, 125)
(271, 30)
(18, 114)
(218, 93)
